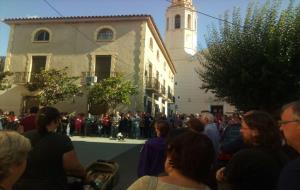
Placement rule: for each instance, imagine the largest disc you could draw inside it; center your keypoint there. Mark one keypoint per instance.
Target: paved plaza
(125, 153)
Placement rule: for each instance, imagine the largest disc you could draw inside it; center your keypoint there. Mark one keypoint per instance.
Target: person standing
(290, 126)
(106, 125)
(52, 156)
(153, 155)
(28, 122)
(211, 129)
(79, 124)
(258, 166)
(135, 121)
(12, 121)
(148, 119)
(115, 121)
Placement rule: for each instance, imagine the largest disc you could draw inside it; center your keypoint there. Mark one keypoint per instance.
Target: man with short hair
(211, 129)
(290, 126)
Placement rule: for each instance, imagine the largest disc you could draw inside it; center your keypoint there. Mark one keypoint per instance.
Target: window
(167, 26)
(151, 43)
(189, 22)
(177, 21)
(102, 67)
(37, 66)
(157, 55)
(105, 34)
(41, 35)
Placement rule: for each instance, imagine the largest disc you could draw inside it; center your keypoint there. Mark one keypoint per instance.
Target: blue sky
(156, 8)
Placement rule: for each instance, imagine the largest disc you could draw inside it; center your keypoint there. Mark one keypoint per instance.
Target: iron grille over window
(105, 34)
(42, 35)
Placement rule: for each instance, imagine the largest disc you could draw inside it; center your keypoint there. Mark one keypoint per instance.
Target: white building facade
(181, 42)
(90, 46)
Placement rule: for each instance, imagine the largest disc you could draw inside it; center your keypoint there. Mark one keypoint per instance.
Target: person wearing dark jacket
(290, 126)
(257, 167)
(52, 156)
(153, 153)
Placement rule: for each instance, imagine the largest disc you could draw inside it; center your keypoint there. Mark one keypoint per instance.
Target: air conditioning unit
(90, 79)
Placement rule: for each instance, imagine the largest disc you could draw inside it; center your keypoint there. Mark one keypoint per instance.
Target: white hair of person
(210, 117)
(13, 151)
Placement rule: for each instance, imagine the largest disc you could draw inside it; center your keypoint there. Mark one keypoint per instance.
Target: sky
(156, 8)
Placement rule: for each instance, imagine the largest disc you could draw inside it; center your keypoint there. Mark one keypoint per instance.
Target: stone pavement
(125, 153)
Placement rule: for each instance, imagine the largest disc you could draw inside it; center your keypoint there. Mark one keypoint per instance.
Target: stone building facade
(90, 46)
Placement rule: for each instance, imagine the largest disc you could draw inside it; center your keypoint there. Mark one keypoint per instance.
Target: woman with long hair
(259, 166)
(52, 156)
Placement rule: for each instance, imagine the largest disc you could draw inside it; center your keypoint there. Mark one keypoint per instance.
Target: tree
(4, 82)
(257, 65)
(112, 92)
(54, 86)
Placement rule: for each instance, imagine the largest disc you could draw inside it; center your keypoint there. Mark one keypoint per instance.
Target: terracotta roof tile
(75, 17)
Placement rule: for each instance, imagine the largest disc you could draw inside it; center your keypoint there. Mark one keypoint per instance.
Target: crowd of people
(201, 151)
(248, 151)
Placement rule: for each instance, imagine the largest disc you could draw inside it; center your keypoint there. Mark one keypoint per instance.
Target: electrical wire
(205, 14)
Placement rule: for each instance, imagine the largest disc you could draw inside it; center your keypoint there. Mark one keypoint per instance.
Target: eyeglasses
(280, 122)
(245, 128)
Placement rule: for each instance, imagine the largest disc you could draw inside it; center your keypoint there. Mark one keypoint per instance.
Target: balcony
(152, 84)
(24, 77)
(83, 77)
(20, 77)
(170, 97)
(163, 91)
(89, 77)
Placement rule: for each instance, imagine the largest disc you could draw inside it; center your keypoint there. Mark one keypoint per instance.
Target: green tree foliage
(255, 64)
(112, 92)
(4, 82)
(54, 86)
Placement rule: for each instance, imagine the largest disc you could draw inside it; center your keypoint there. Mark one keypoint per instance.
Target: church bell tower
(181, 27)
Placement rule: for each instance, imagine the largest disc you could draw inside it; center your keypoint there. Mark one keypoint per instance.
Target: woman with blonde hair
(13, 158)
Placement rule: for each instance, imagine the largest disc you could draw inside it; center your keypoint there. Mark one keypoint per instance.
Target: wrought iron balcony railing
(163, 91)
(89, 77)
(20, 77)
(152, 84)
(170, 97)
